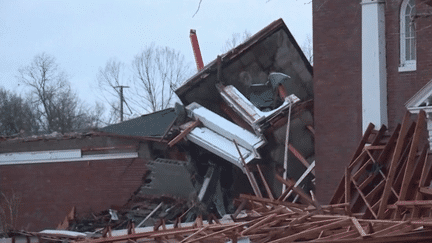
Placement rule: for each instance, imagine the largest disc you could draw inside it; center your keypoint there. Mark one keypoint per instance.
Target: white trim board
(421, 99)
(57, 156)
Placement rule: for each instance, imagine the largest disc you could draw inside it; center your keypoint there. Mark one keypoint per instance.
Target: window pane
(407, 49)
(407, 32)
(407, 26)
(413, 49)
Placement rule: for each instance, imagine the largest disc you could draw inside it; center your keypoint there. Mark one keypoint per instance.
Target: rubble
(383, 197)
(140, 211)
(227, 137)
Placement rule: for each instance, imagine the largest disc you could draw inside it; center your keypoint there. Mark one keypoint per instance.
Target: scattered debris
(388, 170)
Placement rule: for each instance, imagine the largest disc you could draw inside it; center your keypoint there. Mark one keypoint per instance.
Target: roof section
(422, 100)
(273, 49)
(150, 125)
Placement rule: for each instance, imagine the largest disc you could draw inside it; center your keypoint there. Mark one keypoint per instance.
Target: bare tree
(57, 107)
(17, 115)
(236, 39)
(109, 79)
(307, 48)
(157, 72)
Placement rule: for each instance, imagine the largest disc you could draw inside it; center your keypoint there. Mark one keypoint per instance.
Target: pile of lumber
(389, 177)
(384, 196)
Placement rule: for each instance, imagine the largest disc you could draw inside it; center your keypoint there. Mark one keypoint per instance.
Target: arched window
(407, 36)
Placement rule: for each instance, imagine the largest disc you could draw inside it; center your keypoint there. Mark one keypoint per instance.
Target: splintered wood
(389, 178)
(384, 196)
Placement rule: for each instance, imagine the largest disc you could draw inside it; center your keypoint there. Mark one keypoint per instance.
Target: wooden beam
(338, 194)
(421, 203)
(390, 229)
(248, 173)
(363, 141)
(184, 133)
(364, 198)
(393, 165)
(302, 177)
(253, 227)
(347, 190)
(359, 228)
(298, 191)
(270, 195)
(273, 202)
(219, 232)
(317, 230)
(299, 156)
(425, 191)
(409, 169)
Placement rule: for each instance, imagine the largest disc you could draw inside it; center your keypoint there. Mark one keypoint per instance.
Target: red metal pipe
(196, 50)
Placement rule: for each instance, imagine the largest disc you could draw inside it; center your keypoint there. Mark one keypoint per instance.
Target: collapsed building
(234, 117)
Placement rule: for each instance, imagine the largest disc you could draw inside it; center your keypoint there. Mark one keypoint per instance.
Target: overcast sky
(84, 35)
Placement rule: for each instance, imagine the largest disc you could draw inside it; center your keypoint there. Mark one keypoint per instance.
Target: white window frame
(406, 65)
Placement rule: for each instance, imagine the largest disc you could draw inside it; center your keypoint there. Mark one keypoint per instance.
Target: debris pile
(140, 211)
(390, 178)
(382, 198)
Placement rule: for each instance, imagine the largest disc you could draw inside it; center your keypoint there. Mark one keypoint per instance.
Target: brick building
(370, 58)
(43, 177)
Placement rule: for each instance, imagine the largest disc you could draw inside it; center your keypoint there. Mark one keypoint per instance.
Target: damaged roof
(273, 49)
(149, 125)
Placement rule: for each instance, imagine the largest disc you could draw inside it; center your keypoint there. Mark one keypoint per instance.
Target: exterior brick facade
(337, 80)
(48, 191)
(337, 89)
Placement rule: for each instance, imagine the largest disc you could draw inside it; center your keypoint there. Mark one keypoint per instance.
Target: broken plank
(338, 194)
(219, 232)
(424, 174)
(393, 165)
(299, 156)
(330, 238)
(194, 234)
(184, 133)
(409, 169)
(425, 191)
(274, 202)
(363, 197)
(422, 203)
(300, 180)
(249, 174)
(359, 228)
(363, 141)
(389, 229)
(253, 227)
(376, 147)
(347, 190)
(266, 186)
(293, 237)
(299, 191)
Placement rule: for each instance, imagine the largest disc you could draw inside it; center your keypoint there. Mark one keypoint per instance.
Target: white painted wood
(129, 155)
(374, 75)
(40, 155)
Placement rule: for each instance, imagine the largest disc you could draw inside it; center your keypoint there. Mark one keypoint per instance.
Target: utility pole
(121, 100)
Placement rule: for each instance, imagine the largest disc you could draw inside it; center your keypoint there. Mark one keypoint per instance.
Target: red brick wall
(403, 85)
(337, 81)
(337, 89)
(48, 191)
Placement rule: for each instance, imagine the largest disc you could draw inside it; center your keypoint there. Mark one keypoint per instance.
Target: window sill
(407, 67)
